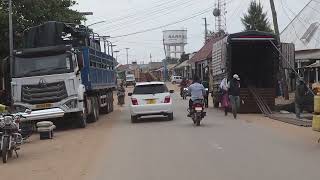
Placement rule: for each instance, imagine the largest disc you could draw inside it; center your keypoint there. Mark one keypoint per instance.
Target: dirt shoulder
(70, 155)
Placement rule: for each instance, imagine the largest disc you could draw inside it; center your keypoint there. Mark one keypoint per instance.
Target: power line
(159, 27)
(145, 12)
(124, 25)
(285, 12)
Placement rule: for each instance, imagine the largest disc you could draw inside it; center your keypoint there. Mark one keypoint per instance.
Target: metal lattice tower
(219, 13)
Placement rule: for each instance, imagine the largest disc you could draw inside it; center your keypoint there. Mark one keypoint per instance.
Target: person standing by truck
(234, 94)
(299, 97)
(224, 95)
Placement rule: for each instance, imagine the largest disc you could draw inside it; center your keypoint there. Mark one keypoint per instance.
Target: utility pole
(281, 69)
(127, 55)
(275, 19)
(10, 31)
(206, 30)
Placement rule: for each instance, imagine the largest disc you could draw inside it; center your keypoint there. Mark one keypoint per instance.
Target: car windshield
(150, 89)
(36, 66)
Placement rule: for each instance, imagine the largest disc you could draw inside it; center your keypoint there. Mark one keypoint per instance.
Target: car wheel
(170, 116)
(134, 119)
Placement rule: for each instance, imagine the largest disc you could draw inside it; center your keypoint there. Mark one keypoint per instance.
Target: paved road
(222, 149)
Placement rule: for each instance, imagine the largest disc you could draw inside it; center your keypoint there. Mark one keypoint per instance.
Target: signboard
(175, 37)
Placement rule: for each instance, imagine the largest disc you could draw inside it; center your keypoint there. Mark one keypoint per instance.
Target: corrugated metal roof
(304, 30)
(205, 52)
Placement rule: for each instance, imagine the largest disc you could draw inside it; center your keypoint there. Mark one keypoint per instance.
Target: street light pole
(127, 55)
(10, 32)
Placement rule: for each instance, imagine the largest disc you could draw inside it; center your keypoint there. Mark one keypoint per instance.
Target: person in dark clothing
(299, 97)
(234, 94)
(184, 83)
(206, 97)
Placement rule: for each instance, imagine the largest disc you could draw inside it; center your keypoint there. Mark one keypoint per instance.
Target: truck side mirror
(80, 60)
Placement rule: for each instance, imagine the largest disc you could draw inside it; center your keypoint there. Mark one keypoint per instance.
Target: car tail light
(167, 99)
(134, 101)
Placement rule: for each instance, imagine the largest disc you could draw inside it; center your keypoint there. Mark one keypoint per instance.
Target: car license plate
(43, 106)
(198, 108)
(151, 101)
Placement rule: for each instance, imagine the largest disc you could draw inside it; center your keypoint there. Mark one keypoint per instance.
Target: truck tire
(94, 116)
(4, 150)
(81, 119)
(111, 102)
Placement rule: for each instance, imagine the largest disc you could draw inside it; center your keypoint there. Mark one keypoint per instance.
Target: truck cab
(62, 78)
(47, 79)
(130, 80)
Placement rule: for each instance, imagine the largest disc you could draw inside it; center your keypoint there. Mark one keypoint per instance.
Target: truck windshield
(36, 66)
(130, 78)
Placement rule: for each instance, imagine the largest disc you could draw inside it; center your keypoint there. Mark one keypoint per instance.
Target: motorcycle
(185, 93)
(10, 136)
(197, 111)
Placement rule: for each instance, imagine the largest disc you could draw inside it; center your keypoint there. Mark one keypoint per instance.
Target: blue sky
(127, 16)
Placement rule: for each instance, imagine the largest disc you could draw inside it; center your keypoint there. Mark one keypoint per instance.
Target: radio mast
(219, 13)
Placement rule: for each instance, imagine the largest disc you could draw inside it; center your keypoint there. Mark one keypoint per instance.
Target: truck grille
(44, 93)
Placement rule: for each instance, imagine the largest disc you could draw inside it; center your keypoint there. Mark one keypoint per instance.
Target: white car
(149, 99)
(176, 79)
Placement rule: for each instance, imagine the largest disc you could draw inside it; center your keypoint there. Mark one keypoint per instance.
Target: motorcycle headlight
(71, 104)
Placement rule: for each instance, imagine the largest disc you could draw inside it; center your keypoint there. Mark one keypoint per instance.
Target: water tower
(174, 42)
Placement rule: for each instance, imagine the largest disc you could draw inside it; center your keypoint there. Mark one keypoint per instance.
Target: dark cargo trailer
(254, 58)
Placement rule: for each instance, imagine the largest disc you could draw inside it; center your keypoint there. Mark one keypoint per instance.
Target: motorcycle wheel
(4, 150)
(198, 122)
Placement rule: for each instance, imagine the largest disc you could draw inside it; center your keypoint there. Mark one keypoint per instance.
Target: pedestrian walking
(224, 100)
(234, 94)
(299, 97)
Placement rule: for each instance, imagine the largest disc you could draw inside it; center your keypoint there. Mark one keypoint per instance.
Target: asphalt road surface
(249, 148)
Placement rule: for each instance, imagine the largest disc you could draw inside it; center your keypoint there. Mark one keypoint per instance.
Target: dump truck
(61, 73)
(254, 57)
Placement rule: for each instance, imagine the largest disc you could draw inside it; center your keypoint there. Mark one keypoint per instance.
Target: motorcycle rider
(197, 91)
(183, 84)
(121, 93)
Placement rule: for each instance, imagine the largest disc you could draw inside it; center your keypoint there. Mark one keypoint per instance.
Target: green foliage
(28, 13)
(256, 19)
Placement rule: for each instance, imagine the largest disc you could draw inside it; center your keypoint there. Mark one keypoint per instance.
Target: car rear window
(150, 89)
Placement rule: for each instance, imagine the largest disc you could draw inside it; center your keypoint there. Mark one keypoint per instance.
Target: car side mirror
(171, 91)
(129, 94)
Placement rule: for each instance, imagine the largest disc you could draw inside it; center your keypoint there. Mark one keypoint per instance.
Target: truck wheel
(81, 119)
(4, 150)
(111, 102)
(94, 116)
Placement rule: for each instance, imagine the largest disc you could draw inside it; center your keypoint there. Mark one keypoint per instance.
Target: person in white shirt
(225, 97)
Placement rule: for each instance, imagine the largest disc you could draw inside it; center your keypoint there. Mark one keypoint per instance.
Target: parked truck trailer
(62, 74)
(253, 56)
